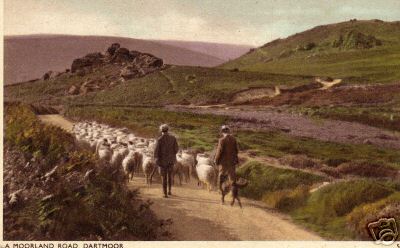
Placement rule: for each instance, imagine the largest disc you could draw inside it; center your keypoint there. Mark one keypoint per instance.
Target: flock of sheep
(118, 148)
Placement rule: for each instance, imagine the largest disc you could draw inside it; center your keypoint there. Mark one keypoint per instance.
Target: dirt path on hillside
(267, 119)
(199, 215)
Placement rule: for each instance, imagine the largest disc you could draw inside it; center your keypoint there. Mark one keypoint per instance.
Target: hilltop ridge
(369, 49)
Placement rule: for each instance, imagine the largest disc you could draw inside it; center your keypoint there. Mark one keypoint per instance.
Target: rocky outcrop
(121, 55)
(130, 72)
(121, 64)
(356, 40)
(89, 61)
(111, 50)
(118, 55)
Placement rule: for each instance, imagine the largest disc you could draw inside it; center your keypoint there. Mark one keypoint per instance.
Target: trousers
(166, 177)
(225, 172)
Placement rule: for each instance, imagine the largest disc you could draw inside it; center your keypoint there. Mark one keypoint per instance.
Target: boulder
(84, 90)
(134, 53)
(121, 55)
(90, 60)
(73, 90)
(130, 72)
(111, 50)
(147, 60)
(48, 75)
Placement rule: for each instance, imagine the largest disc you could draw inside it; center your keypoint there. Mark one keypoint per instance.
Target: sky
(251, 22)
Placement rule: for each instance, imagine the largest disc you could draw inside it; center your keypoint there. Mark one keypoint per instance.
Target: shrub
(325, 210)
(330, 171)
(287, 199)
(190, 77)
(366, 169)
(310, 46)
(300, 161)
(359, 218)
(340, 198)
(265, 179)
(25, 131)
(334, 162)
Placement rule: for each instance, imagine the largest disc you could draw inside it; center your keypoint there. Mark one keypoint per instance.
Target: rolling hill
(29, 57)
(359, 52)
(369, 50)
(220, 50)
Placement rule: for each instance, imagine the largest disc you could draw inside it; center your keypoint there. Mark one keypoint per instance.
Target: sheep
(121, 139)
(188, 161)
(148, 167)
(206, 174)
(130, 162)
(117, 158)
(101, 143)
(131, 146)
(203, 159)
(124, 150)
(114, 145)
(177, 170)
(104, 152)
(93, 145)
(82, 142)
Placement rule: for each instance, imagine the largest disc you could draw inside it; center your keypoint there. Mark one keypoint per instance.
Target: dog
(234, 187)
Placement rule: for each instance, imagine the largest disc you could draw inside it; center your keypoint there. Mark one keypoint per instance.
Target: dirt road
(199, 215)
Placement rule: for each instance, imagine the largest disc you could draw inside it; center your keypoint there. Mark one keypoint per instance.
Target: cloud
(31, 18)
(248, 22)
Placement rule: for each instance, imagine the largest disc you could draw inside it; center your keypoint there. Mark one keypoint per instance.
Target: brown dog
(227, 186)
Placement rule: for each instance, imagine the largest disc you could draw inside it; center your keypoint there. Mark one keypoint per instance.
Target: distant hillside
(29, 57)
(369, 50)
(219, 50)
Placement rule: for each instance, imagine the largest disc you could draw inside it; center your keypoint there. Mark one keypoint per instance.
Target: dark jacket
(227, 152)
(166, 150)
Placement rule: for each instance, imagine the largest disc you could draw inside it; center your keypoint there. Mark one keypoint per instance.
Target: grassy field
(264, 179)
(336, 211)
(295, 55)
(173, 85)
(387, 117)
(326, 210)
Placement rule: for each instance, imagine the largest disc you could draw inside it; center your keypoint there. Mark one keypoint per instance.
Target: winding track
(198, 214)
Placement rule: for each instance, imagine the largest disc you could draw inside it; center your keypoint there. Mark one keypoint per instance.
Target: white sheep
(206, 174)
(104, 152)
(117, 158)
(203, 159)
(130, 162)
(148, 167)
(188, 162)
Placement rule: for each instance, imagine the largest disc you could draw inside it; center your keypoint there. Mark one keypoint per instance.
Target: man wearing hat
(165, 157)
(226, 157)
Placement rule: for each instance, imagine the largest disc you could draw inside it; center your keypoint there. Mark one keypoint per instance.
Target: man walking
(226, 157)
(165, 157)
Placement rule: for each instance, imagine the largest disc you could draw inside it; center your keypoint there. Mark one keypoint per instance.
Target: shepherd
(226, 158)
(165, 157)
